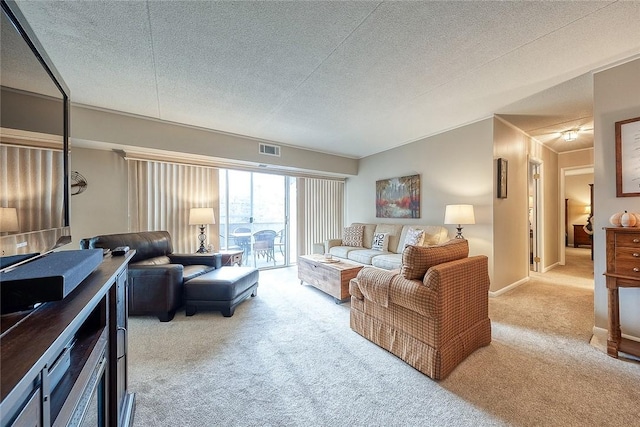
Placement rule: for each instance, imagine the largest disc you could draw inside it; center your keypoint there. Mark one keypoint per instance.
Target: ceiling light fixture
(570, 135)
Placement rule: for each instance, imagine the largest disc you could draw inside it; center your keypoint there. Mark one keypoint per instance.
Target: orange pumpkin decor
(628, 219)
(625, 219)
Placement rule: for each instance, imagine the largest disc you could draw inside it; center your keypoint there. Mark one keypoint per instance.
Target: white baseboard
(602, 333)
(599, 341)
(508, 288)
(552, 266)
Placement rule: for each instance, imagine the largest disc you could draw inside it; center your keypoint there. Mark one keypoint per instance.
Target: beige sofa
(432, 313)
(390, 259)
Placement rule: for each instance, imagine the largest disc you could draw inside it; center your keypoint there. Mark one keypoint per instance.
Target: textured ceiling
(351, 78)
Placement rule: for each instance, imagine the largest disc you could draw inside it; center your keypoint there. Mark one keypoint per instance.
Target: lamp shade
(459, 214)
(200, 216)
(9, 220)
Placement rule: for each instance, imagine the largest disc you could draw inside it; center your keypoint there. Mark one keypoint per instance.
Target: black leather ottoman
(221, 289)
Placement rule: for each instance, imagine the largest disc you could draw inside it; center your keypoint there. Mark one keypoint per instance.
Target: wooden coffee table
(330, 277)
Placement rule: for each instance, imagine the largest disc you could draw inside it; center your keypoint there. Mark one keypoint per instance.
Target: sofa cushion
(363, 256)
(388, 261)
(192, 271)
(352, 235)
(416, 260)
(380, 242)
(223, 284)
(343, 251)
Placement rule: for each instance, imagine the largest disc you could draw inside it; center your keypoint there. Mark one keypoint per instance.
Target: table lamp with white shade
(459, 215)
(9, 220)
(202, 217)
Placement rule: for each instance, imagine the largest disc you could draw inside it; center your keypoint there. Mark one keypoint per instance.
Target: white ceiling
(351, 78)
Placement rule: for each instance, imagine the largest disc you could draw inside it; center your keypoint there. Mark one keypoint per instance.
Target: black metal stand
(459, 235)
(202, 238)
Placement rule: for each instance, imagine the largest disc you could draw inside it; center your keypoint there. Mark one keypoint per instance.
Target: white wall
(576, 159)
(616, 97)
(96, 127)
(102, 207)
(455, 167)
(511, 214)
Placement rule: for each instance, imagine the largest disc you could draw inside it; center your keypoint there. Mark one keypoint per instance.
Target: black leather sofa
(156, 274)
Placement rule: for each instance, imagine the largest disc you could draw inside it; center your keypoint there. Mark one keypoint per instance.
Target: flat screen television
(34, 145)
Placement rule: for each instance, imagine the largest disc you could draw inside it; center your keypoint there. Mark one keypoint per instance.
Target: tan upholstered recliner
(432, 313)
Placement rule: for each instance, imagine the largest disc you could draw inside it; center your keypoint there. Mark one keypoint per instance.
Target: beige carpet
(289, 358)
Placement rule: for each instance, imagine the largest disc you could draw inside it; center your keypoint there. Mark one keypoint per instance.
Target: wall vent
(269, 150)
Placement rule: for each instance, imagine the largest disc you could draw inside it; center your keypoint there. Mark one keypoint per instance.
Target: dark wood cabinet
(623, 271)
(65, 362)
(580, 237)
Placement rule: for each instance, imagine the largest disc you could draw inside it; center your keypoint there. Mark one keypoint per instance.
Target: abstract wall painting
(398, 197)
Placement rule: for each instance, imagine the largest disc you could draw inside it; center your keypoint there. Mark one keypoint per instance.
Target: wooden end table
(231, 256)
(330, 277)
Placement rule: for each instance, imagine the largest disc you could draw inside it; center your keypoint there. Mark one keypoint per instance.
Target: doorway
(576, 190)
(255, 217)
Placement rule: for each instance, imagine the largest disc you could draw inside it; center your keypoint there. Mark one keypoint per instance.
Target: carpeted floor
(289, 358)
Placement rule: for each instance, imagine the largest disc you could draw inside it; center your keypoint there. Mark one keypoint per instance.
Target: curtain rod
(160, 158)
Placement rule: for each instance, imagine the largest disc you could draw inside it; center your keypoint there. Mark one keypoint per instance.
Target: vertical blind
(29, 183)
(162, 194)
(322, 211)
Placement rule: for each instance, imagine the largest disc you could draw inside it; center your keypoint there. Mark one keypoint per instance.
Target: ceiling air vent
(269, 150)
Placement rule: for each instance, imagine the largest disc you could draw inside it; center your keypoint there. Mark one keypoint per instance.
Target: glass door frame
(226, 186)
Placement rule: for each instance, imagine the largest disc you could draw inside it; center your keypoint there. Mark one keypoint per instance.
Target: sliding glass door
(254, 212)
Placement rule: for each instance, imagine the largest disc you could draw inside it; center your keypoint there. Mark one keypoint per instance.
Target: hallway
(577, 271)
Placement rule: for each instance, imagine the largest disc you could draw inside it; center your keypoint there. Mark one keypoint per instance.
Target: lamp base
(202, 238)
(459, 235)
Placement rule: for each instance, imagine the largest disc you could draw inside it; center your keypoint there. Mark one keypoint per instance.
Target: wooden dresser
(623, 271)
(580, 237)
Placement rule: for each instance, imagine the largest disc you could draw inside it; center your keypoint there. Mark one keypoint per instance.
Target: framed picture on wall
(628, 158)
(398, 197)
(502, 178)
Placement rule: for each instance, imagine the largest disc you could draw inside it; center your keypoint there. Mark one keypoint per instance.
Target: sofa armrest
(318, 248)
(462, 289)
(168, 272)
(354, 289)
(331, 243)
(374, 284)
(194, 259)
(414, 295)
(155, 289)
(388, 286)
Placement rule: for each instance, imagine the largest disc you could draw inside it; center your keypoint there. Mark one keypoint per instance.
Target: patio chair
(242, 238)
(263, 244)
(279, 241)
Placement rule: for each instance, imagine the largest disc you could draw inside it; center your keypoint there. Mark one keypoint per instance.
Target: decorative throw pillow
(380, 242)
(353, 236)
(416, 260)
(414, 237)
